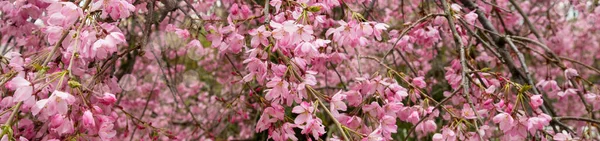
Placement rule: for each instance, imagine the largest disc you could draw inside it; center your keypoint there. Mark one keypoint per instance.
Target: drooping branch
(464, 69)
(579, 119)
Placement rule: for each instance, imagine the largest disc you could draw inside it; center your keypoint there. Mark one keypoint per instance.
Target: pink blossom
(276, 4)
(365, 28)
(245, 11)
(490, 89)
(471, 17)
(373, 109)
(427, 126)
(57, 103)
(233, 43)
(259, 36)
(446, 135)
(257, 68)
(270, 115)
(397, 92)
(537, 123)
(303, 32)
(88, 119)
(289, 26)
(437, 137)
(379, 28)
(321, 42)
(288, 131)
(182, 33)
(314, 127)
(413, 117)
(548, 85)
(392, 108)
(106, 131)
(388, 125)
(505, 120)
(66, 127)
(427, 36)
(467, 112)
(563, 136)
(117, 9)
(234, 11)
(567, 92)
(337, 103)
(304, 110)
(268, 62)
(24, 90)
(16, 61)
(592, 97)
(56, 121)
(306, 49)
(284, 133)
(108, 99)
(196, 50)
(354, 98)
(455, 7)
(278, 31)
(64, 14)
(419, 82)
(570, 73)
(54, 33)
(278, 87)
(374, 136)
(536, 101)
(108, 45)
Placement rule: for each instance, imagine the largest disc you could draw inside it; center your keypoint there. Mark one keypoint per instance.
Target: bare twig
(463, 62)
(500, 42)
(579, 119)
(64, 35)
(410, 66)
(175, 93)
(16, 108)
(580, 63)
(313, 92)
(437, 106)
(405, 31)
(145, 107)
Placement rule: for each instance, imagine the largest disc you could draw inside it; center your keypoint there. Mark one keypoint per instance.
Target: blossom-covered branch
(299, 70)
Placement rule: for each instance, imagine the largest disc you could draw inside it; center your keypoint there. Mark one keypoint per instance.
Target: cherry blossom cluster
(282, 70)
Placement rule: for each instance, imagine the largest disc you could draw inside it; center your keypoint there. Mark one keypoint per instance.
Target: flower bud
(88, 119)
(108, 99)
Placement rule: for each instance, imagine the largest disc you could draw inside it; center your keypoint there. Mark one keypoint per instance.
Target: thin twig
(16, 108)
(339, 76)
(405, 31)
(463, 62)
(64, 35)
(437, 106)
(579, 119)
(145, 107)
(500, 42)
(580, 63)
(297, 76)
(175, 93)
(410, 66)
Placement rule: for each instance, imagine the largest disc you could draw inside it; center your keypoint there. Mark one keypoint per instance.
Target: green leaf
(314, 9)
(74, 84)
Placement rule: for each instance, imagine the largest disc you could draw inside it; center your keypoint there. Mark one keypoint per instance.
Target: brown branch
(405, 31)
(578, 119)
(580, 63)
(437, 106)
(313, 92)
(463, 62)
(500, 42)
